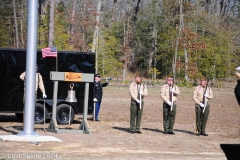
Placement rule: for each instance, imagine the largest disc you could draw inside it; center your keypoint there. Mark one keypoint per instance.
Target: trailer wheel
(62, 114)
(39, 114)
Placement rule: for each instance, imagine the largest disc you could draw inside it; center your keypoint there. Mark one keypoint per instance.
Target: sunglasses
(170, 79)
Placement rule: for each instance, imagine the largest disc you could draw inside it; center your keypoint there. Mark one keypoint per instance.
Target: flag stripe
(47, 52)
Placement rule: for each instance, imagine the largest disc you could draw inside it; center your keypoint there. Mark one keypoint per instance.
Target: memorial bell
(71, 94)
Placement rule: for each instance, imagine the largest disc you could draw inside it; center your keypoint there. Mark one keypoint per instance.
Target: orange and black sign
(71, 76)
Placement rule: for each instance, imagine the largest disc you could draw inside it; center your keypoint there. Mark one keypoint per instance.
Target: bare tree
(126, 50)
(15, 22)
(153, 50)
(51, 24)
(21, 25)
(113, 10)
(181, 27)
(95, 36)
(73, 21)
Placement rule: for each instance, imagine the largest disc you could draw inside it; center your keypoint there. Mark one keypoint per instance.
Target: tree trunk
(155, 59)
(177, 42)
(184, 44)
(21, 27)
(95, 36)
(72, 22)
(113, 10)
(152, 56)
(186, 62)
(15, 22)
(126, 43)
(124, 71)
(51, 24)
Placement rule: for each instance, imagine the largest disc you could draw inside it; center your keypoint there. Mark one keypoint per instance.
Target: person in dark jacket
(237, 88)
(98, 93)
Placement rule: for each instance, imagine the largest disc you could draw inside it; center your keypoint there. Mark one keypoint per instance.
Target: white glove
(141, 92)
(107, 81)
(169, 103)
(238, 68)
(44, 96)
(172, 90)
(138, 101)
(202, 105)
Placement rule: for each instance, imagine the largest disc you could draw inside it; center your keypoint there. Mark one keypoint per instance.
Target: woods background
(191, 38)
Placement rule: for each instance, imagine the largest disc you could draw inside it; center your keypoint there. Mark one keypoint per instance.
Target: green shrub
(184, 83)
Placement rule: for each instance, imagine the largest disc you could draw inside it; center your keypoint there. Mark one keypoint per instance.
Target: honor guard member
(169, 93)
(137, 92)
(237, 88)
(98, 92)
(202, 93)
(39, 84)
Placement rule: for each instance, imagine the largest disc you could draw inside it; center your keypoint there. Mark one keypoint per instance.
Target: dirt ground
(110, 138)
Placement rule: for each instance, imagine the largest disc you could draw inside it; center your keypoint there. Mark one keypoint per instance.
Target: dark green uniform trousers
(168, 118)
(135, 116)
(201, 118)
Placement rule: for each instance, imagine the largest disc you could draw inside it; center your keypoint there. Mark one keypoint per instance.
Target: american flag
(49, 52)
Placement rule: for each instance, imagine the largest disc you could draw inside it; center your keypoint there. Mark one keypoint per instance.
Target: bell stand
(73, 77)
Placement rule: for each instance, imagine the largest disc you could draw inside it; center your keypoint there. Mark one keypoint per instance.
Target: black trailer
(13, 63)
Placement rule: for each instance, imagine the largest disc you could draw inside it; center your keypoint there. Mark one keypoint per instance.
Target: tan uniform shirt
(199, 93)
(39, 81)
(165, 93)
(134, 90)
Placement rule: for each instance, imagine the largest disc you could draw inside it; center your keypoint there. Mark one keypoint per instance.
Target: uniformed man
(169, 93)
(202, 93)
(137, 92)
(237, 88)
(98, 94)
(39, 84)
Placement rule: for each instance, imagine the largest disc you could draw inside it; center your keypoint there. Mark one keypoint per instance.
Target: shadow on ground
(121, 129)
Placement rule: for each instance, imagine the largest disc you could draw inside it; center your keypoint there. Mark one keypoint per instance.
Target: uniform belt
(167, 104)
(201, 102)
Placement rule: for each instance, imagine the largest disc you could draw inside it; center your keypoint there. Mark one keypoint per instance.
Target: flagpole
(56, 61)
